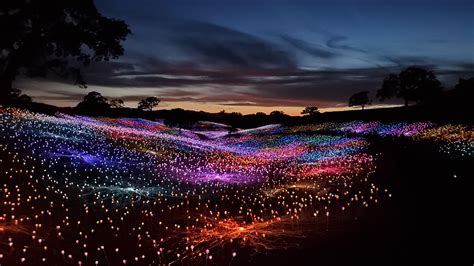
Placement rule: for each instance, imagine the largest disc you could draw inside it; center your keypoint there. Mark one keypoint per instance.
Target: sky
(249, 56)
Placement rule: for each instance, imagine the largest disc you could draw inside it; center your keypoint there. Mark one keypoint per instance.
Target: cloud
(221, 46)
(177, 82)
(311, 49)
(404, 61)
(335, 42)
(288, 87)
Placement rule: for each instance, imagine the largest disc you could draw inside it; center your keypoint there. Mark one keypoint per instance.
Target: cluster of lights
(102, 191)
(455, 140)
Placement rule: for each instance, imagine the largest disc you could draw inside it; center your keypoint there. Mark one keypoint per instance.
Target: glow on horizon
(68, 95)
(244, 109)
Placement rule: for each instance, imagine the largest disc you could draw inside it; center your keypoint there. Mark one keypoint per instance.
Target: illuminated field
(80, 190)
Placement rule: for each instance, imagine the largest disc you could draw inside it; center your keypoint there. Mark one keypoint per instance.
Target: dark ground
(426, 222)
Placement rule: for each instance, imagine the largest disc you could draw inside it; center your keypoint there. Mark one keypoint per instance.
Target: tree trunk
(406, 102)
(5, 89)
(362, 107)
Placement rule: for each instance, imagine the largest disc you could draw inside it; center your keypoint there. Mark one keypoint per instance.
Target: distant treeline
(459, 112)
(448, 106)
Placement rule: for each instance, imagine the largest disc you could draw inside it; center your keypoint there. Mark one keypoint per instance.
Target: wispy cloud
(315, 50)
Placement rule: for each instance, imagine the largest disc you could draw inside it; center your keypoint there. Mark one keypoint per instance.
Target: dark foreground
(426, 222)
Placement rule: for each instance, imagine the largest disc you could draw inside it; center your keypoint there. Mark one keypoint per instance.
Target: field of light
(81, 190)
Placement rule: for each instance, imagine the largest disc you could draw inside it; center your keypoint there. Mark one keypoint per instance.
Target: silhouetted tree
(390, 87)
(17, 96)
(260, 114)
(93, 103)
(19, 99)
(180, 118)
(25, 99)
(310, 110)
(459, 98)
(465, 84)
(148, 103)
(277, 117)
(117, 103)
(43, 36)
(412, 84)
(234, 119)
(277, 113)
(360, 99)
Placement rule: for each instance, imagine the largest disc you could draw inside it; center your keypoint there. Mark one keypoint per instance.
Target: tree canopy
(465, 85)
(148, 103)
(54, 36)
(277, 113)
(310, 110)
(414, 84)
(18, 97)
(360, 99)
(93, 103)
(117, 103)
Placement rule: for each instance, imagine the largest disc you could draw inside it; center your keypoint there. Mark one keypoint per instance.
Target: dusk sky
(250, 56)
